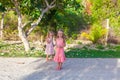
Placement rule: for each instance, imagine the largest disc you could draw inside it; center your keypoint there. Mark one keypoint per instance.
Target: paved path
(73, 69)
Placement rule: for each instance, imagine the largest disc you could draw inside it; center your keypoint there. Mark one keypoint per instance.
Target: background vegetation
(80, 19)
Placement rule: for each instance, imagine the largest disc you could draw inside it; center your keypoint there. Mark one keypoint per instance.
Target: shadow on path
(76, 69)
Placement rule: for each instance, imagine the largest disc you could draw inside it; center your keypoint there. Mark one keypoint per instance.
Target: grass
(89, 53)
(99, 51)
(17, 50)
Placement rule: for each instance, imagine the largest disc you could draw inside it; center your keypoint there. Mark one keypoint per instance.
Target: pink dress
(59, 56)
(49, 47)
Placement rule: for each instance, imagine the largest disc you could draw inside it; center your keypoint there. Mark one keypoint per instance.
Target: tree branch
(52, 6)
(47, 3)
(15, 2)
(25, 24)
(52, 3)
(33, 25)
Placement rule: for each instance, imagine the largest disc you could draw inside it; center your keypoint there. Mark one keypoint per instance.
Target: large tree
(65, 14)
(31, 8)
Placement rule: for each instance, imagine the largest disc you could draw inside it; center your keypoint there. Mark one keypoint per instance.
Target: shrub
(96, 32)
(74, 36)
(69, 41)
(84, 35)
(79, 42)
(100, 46)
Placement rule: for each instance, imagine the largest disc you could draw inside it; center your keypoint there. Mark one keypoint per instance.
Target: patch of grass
(100, 46)
(85, 47)
(110, 46)
(79, 42)
(17, 50)
(117, 47)
(92, 53)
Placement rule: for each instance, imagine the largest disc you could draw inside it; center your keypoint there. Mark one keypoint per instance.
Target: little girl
(60, 44)
(49, 51)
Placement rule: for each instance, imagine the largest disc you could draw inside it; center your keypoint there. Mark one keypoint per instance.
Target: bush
(99, 46)
(84, 35)
(74, 36)
(69, 41)
(96, 32)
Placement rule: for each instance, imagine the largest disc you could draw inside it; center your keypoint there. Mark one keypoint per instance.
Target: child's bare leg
(47, 57)
(61, 65)
(58, 66)
(51, 57)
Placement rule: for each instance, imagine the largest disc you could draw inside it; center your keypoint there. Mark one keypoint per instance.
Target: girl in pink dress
(49, 51)
(60, 44)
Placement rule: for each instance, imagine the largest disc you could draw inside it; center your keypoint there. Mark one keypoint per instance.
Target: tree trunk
(21, 32)
(24, 39)
(2, 25)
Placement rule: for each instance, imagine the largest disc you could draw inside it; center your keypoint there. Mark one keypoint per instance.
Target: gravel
(73, 69)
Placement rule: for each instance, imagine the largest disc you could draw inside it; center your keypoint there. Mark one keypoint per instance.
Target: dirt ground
(73, 69)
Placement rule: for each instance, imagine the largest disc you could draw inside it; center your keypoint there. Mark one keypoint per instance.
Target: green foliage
(85, 47)
(17, 50)
(70, 18)
(10, 29)
(96, 33)
(79, 42)
(100, 46)
(74, 36)
(69, 41)
(2, 8)
(68, 15)
(117, 47)
(103, 9)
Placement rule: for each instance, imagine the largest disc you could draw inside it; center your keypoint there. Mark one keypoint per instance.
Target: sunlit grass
(99, 52)
(87, 51)
(17, 50)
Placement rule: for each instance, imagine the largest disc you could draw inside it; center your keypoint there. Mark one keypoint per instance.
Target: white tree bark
(20, 27)
(22, 34)
(2, 25)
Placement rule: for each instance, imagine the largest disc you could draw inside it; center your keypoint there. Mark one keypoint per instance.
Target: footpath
(73, 69)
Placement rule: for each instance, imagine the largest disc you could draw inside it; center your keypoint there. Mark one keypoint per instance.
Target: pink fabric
(59, 56)
(49, 47)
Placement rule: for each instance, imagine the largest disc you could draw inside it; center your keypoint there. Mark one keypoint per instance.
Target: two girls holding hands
(59, 48)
